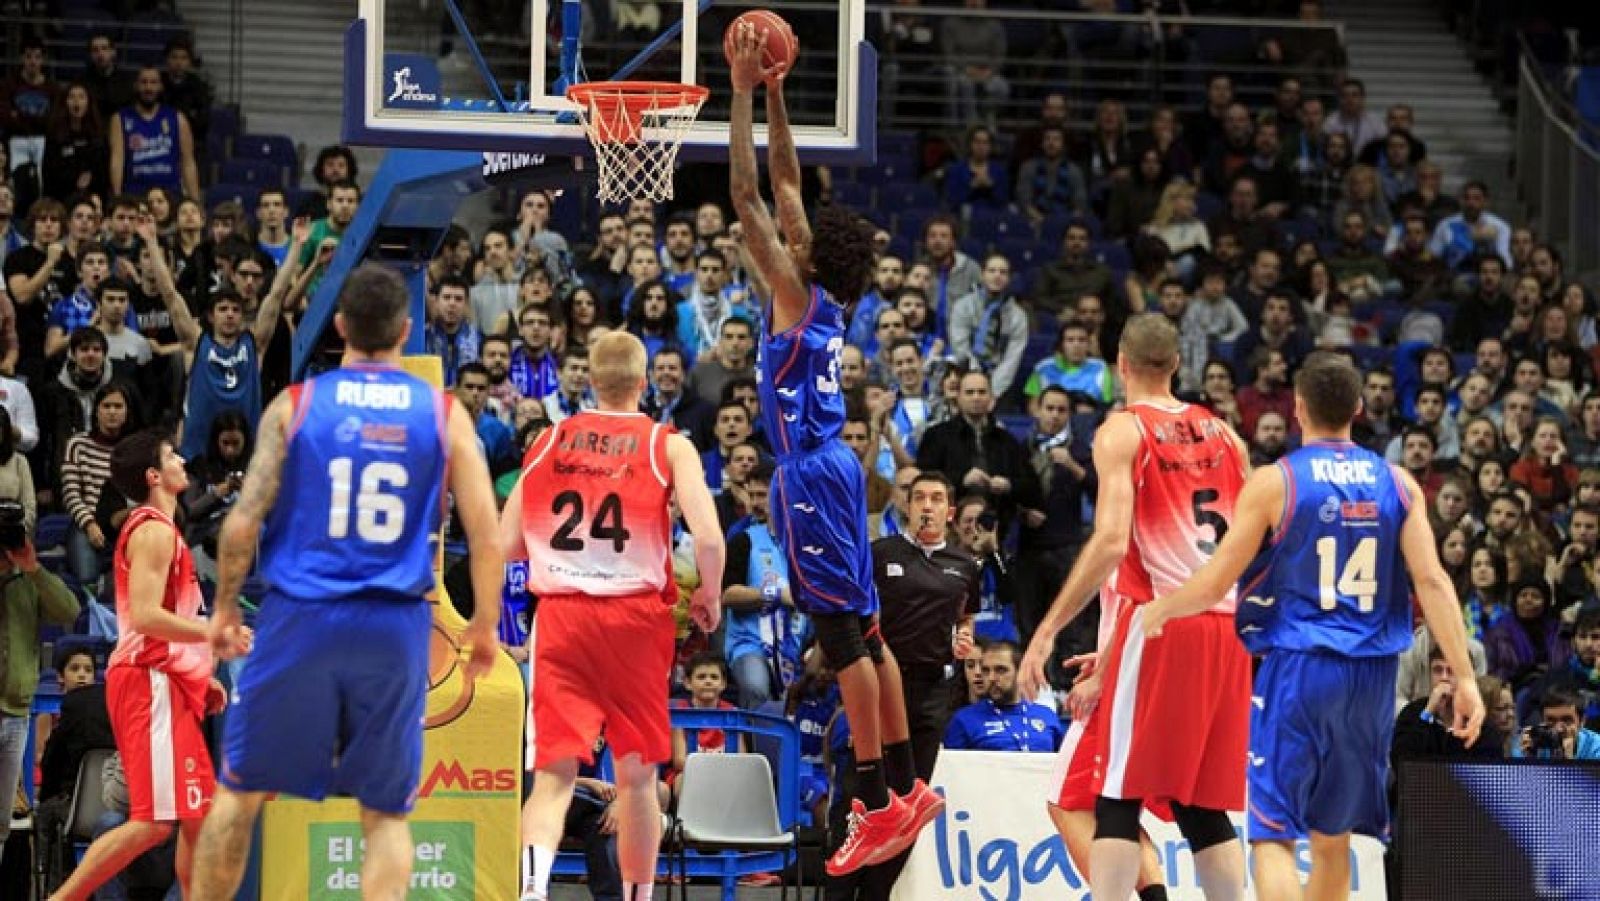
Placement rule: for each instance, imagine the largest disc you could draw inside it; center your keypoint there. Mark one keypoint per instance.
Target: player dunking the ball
(348, 476)
(819, 489)
(1324, 541)
(590, 515)
(1172, 725)
(159, 685)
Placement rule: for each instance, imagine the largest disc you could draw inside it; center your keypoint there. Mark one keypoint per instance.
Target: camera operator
(977, 526)
(30, 597)
(1560, 734)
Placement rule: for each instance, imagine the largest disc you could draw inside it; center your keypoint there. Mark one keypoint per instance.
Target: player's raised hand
(484, 647)
(705, 608)
(749, 46)
(1467, 706)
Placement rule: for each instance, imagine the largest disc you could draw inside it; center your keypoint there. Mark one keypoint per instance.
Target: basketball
(782, 46)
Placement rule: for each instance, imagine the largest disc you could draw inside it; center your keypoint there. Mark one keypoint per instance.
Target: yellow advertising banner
(465, 822)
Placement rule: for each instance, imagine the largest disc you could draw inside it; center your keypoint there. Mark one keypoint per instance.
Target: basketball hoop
(636, 128)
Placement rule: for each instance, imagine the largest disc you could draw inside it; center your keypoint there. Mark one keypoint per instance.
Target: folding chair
(728, 803)
(57, 853)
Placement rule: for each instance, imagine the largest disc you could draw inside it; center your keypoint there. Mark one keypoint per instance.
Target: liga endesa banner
(995, 841)
(465, 823)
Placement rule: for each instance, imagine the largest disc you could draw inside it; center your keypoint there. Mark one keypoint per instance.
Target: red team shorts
(600, 664)
(156, 723)
(1174, 716)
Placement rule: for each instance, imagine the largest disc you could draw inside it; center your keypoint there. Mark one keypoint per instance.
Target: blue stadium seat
(272, 148)
(1293, 231)
(244, 195)
(852, 194)
(1113, 254)
(258, 173)
(974, 247)
(1207, 206)
(909, 221)
(1023, 252)
(225, 121)
(907, 196)
(1014, 225)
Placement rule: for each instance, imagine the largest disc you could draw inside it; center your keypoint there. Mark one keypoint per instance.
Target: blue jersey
(802, 407)
(361, 502)
(152, 152)
(1332, 577)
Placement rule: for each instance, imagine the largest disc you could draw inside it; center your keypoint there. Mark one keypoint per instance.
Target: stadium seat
(1113, 254)
(1207, 206)
(906, 196)
(271, 148)
(257, 173)
(974, 247)
(244, 195)
(852, 194)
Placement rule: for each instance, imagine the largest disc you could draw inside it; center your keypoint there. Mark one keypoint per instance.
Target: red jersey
(1186, 475)
(191, 664)
(595, 489)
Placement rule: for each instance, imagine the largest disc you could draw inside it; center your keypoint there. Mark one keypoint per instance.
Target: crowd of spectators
(981, 354)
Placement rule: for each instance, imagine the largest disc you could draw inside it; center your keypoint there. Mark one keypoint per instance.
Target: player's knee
(152, 834)
(1117, 818)
(1203, 827)
(1331, 848)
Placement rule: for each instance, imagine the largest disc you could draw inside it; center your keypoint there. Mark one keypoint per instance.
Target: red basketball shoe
(873, 836)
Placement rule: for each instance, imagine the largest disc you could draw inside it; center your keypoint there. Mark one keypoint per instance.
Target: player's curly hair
(842, 256)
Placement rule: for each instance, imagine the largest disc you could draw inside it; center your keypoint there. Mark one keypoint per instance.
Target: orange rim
(619, 107)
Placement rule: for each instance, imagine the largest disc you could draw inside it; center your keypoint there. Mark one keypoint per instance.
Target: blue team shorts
(331, 702)
(1320, 730)
(819, 515)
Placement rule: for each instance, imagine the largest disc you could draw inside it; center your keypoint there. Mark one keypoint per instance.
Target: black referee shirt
(922, 595)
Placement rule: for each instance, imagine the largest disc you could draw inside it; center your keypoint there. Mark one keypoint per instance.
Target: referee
(927, 588)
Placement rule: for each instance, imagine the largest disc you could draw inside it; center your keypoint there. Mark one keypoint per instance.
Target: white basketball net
(636, 131)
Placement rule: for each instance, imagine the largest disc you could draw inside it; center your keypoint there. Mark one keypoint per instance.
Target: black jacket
(85, 725)
(922, 596)
(954, 448)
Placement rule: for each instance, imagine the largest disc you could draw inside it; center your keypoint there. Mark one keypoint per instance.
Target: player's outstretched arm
(475, 505)
(767, 255)
(783, 167)
(1255, 514)
(1115, 445)
(1436, 595)
(700, 514)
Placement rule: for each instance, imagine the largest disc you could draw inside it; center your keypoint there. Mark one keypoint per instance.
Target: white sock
(537, 880)
(640, 892)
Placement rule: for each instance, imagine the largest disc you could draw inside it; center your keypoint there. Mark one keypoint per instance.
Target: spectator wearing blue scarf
(765, 633)
(449, 335)
(534, 370)
(989, 328)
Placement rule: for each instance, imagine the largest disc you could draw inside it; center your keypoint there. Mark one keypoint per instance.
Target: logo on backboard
(410, 81)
